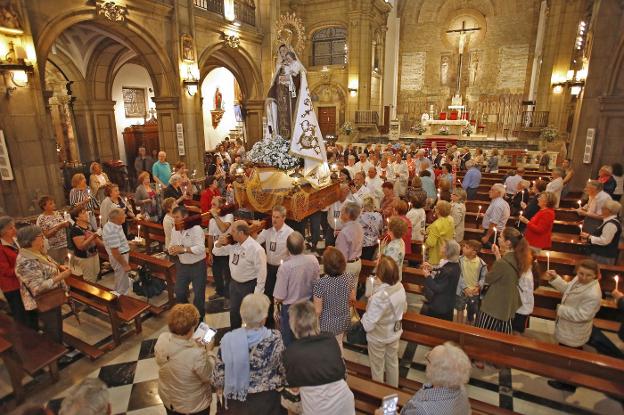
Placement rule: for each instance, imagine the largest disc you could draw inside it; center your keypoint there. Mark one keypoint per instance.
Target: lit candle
(335, 223)
(547, 261)
(424, 250)
(540, 178)
(617, 280)
(579, 203)
(519, 216)
(281, 262)
(69, 258)
(139, 231)
(409, 205)
(100, 219)
(495, 235)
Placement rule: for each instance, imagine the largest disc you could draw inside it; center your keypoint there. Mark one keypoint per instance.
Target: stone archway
(331, 95)
(247, 74)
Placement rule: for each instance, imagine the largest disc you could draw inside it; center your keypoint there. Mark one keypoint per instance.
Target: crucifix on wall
(464, 36)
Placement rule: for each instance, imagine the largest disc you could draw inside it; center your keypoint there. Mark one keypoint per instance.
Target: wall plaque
(413, 71)
(6, 171)
(512, 66)
(134, 102)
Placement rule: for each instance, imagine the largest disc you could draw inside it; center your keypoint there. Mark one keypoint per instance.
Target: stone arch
(615, 86)
(101, 67)
(70, 71)
(239, 62)
(155, 57)
(334, 90)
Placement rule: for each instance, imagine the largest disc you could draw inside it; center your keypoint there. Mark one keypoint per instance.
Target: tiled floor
(131, 373)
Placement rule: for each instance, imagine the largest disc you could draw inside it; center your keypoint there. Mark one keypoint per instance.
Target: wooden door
(327, 120)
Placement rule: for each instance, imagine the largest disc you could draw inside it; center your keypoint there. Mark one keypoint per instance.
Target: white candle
(617, 280)
(495, 235)
(547, 261)
(139, 231)
(409, 205)
(335, 223)
(100, 219)
(424, 250)
(519, 216)
(579, 203)
(69, 258)
(281, 262)
(378, 241)
(580, 229)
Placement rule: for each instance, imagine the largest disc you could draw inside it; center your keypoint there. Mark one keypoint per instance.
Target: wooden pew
(589, 370)
(119, 310)
(369, 394)
(151, 231)
(25, 351)
(546, 299)
(161, 268)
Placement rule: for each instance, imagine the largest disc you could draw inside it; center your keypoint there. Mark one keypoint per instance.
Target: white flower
(273, 152)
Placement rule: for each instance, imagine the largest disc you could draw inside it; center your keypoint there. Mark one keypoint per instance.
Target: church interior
(239, 119)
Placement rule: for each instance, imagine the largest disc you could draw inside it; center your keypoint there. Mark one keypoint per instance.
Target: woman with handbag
(9, 283)
(42, 288)
(382, 322)
(441, 283)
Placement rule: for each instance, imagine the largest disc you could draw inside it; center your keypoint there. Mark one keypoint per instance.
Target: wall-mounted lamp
(353, 92)
(557, 89)
(575, 90)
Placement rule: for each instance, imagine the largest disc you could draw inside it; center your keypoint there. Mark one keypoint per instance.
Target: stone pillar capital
(166, 103)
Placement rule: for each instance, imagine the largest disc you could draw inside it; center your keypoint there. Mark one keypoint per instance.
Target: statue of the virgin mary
(290, 115)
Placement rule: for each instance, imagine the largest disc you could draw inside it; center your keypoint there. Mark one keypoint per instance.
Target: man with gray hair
(472, 180)
(118, 249)
(592, 211)
(295, 280)
(91, 397)
(333, 214)
(161, 170)
(495, 216)
(604, 241)
(248, 266)
(556, 184)
(350, 238)
(511, 182)
(274, 240)
(448, 370)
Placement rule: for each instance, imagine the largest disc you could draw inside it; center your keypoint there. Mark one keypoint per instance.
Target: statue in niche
(218, 100)
(444, 70)
(474, 67)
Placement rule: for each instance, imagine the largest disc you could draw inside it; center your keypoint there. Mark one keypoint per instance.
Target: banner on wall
(6, 171)
(180, 138)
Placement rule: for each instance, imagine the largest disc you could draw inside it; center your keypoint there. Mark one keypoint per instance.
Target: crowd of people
(291, 304)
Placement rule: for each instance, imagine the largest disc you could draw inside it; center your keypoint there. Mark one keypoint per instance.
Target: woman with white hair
(249, 367)
(314, 364)
(174, 189)
(603, 242)
(91, 397)
(448, 370)
(605, 176)
(441, 283)
(97, 180)
(372, 224)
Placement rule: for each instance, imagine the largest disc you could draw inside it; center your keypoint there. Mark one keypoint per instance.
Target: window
(329, 46)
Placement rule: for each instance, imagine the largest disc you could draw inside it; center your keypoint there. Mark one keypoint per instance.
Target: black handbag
(356, 335)
(146, 285)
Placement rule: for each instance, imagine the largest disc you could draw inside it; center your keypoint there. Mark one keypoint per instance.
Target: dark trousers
(52, 322)
(315, 220)
(471, 193)
(194, 274)
(221, 273)
(238, 291)
(603, 345)
(287, 334)
(297, 226)
(269, 286)
(368, 252)
(14, 298)
(204, 412)
(330, 237)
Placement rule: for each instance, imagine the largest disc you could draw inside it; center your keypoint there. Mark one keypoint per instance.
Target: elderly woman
(458, 212)
(538, 231)
(185, 365)
(604, 241)
(54, 228)
(81, 195)
(442, 229)
(146, 197)
(38, 275)
(605, 176)
(175, 189)
(441, 283)
(97, 180)
(85, 261)
(181, 169)
(372, 224)
(314, 364)
(448, 370)
(9, 283)
(579, 305)
(249, 367)
(502, 297)
(382, 321)
(531, 207)
(393, 245)
(332, 294)
(114, 201)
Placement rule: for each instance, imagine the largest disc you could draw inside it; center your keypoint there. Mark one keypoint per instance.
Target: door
(327, 120)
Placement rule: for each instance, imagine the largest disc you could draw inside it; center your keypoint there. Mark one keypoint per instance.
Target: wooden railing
(215, 6)
(366, 117)
(245, 11)
(534, 119)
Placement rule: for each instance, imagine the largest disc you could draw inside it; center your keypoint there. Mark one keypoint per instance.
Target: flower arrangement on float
(273, 152)
(347, 128)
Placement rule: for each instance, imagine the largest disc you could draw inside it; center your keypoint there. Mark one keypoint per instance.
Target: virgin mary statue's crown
(290, 32)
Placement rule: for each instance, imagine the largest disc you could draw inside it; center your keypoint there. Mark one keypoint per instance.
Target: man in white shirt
(363, 165)
(511, 183)
(247, 266)
(351, 166)
(401, 175)
(374, 182)
(219, 225)
(384, 170)
(359, 189)
(592, 211)
(118, 249)
(604, 243)
(333, 214)
(190, 247)
(556, 184)
(274, 240)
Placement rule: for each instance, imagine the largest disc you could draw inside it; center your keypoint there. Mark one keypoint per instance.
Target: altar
(455, 126)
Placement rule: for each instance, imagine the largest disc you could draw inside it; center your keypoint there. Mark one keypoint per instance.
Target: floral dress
(372, 224)
(47, 222)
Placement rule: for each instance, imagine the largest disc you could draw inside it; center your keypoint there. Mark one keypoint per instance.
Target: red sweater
(8, 279)
(538, 231)
(205, 200)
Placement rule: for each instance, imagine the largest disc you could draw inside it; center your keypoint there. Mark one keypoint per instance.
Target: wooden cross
(462, 32)
(463, 29)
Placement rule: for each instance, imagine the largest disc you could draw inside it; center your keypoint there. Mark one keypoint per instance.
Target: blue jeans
(287, 335)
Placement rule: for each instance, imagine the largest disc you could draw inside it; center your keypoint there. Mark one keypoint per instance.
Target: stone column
(103, 113)
(85, 136)
(168, 116)
(253, 121)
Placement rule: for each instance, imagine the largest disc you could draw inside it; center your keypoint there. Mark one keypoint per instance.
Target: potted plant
(418, 128)
(467, 130)
(444, 131)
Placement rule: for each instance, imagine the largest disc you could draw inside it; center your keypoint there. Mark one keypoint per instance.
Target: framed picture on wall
(188, 54)
(134, 102)
(6, 171)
